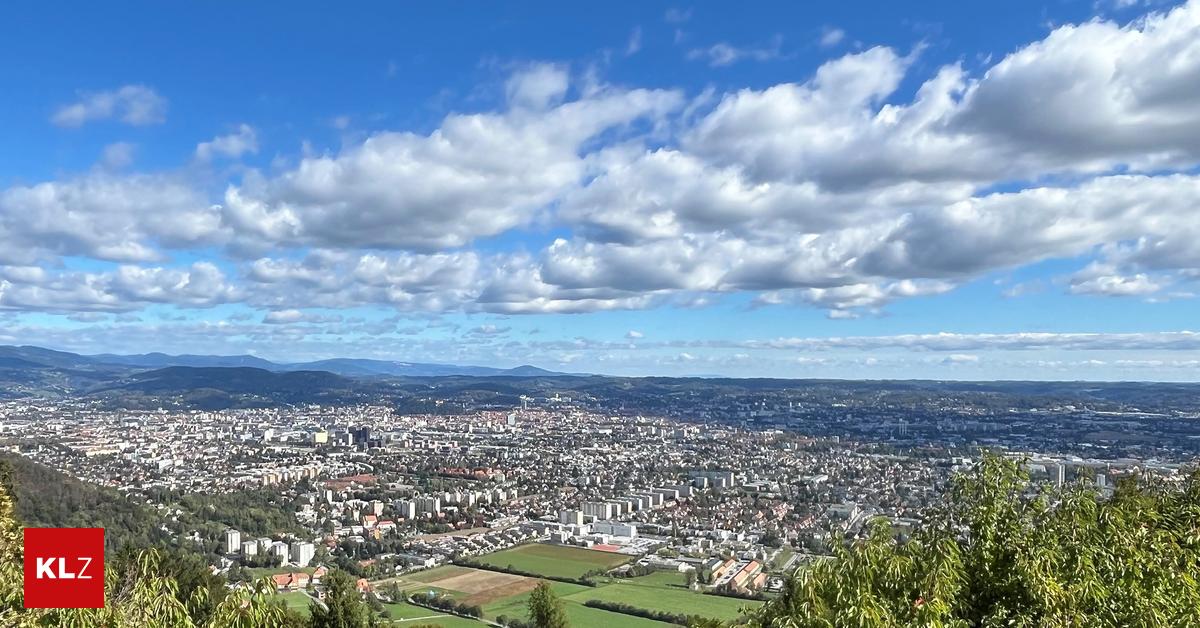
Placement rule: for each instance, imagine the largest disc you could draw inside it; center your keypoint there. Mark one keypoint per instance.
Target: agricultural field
(437, 573)
(514, 606)
(557, 561)
(506, 594)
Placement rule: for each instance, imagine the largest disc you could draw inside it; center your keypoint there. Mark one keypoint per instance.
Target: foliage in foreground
(1002, 553)
(152, 589)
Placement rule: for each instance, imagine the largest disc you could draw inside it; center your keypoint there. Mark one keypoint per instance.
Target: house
(291, 581)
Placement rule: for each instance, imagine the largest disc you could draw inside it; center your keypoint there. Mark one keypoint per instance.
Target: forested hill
(47, 498)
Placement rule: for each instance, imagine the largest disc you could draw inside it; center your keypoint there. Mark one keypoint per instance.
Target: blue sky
(861, 189)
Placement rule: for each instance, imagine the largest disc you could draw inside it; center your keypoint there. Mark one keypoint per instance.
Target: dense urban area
(681, 497)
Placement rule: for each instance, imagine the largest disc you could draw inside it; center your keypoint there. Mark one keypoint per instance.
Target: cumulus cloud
(476, 176)
(1086, 99)
(104, 216)
(135, 105)
(126, 288)
(838, 191)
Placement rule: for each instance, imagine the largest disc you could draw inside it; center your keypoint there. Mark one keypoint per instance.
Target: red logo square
(64, 567)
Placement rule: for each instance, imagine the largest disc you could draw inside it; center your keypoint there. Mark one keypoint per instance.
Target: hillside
(46, 498)
(217, 387)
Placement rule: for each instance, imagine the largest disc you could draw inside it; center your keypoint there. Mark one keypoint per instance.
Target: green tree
(1000, 552)
(344, 607)
(545, 609)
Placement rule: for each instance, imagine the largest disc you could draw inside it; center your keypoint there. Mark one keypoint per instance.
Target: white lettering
(86, 563)
(43, 568)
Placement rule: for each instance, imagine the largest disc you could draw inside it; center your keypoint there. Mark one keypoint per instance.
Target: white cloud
(475, 176)
(136, 105)
(1103, 280)
(103, 216)
(293, 316)
(677, 16)
(725, 54)
(838, 192)
(232, 146)
(117, 155)
(1088, 98)
(634, 334)
(635, 42)
(126, 288)
(537, 87)
(960, 343)
(831, 37)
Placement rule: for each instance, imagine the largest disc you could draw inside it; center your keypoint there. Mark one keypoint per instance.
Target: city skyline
(940, 191)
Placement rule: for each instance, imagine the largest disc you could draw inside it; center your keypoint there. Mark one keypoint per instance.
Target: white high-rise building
(599, 510)
(233, 541)
(249, 548)
(570, 517)
(301, 553)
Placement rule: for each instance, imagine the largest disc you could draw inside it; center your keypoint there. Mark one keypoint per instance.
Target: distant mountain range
(38, 357)
(156, 380)
(152, 380)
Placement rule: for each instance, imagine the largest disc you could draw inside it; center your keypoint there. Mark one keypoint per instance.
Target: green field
(557, 561)
(664, 591)
(671, 579)
(579, 615)
(297, 601)
(404, 613)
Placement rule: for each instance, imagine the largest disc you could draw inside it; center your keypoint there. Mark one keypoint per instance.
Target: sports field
(296, 601)
(558, 561)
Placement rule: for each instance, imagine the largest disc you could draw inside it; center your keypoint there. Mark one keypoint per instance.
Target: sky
(865, 190)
